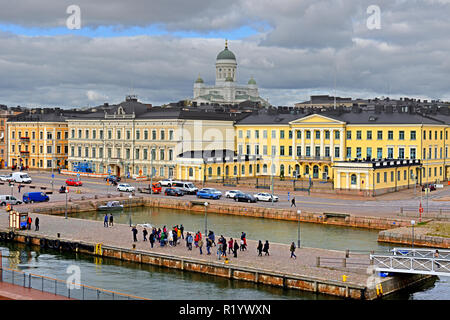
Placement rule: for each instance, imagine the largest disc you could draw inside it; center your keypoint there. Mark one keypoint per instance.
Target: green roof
(251, 81)
(226, 54)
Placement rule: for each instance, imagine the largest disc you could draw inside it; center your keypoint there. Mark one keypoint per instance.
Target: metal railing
(417, 261)
(61, 287)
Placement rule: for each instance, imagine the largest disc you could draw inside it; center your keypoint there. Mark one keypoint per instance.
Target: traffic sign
(53, 175)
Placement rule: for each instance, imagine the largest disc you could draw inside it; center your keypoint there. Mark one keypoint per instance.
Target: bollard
(58, 235)
(344, 262)
(347, 253)
(317, 261)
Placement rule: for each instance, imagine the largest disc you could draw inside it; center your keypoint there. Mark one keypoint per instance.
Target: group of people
(30, 222)
(173, 238)
(108, 220)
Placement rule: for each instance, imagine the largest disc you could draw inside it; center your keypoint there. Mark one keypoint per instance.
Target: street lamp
(206, 221)
(66, 191)
(298, 231)
(12, 191)
(412, 241)
(153, 147)
(129, 211)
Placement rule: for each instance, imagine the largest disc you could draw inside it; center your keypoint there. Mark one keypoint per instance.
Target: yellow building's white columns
(341, 144)
(322, 153)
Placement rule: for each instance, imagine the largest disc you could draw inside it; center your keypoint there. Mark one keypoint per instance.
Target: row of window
(40, 163)
(399, 175)
(369, 136)
(118, 153)
(92, 134)
(290, 132)
(283, 150)
(59, 135)
(58, 149)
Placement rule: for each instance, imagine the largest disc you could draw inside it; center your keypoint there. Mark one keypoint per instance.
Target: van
(35, 197)
(21, 177)
(8, 199)
(186, 187)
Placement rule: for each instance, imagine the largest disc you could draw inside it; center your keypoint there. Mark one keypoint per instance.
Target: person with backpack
(208, 246)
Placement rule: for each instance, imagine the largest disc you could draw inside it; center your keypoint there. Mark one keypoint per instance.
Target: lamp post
(66, 191)
(12, 191)
(298, 231)
(151, 166)
(272, 169)
(206, 221)
(412, 241)
(129, 211)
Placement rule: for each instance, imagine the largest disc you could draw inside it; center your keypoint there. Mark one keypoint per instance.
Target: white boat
(110, 206)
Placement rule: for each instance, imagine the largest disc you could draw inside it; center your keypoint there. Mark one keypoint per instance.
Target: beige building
(132, 139)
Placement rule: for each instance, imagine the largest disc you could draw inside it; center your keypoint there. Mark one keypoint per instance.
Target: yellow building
(358, 149)
(38, 140)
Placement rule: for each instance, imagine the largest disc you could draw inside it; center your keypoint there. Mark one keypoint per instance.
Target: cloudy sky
(157, 48)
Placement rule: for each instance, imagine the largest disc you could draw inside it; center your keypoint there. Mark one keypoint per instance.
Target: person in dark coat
(266, 248)
(182, 231)
(144, 233)
(111, 220)
(105, 221)
(259, 248)
(236, 247)
(293, 202)
(135, 231)
(36, 224)
(152, 239)
(292, 249)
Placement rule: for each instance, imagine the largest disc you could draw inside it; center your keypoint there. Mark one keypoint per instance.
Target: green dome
(229, 79)
(199, 80)
(251, 81)
(226, 54)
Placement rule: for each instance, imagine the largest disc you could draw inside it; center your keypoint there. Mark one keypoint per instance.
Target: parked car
(74, 183)
(21, 177)
(31, 197)
(430, 185)
(264, 196)
(125, 187)
(7, 199)
(232, 193)
(177, 192)
(187, 187)
(244, 197)
(6, 177)
(209, 193)
(166, 182)
(112, 178)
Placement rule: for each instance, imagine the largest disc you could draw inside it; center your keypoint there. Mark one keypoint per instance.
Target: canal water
(154, 282)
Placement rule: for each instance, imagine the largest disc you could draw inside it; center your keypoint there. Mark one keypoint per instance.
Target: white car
(166, 182)
(232, 193)
(125, 187)
(6, 178)
(263, 196)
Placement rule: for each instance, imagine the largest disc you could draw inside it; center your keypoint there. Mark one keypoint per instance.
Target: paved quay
(9, 291)
(120, 235)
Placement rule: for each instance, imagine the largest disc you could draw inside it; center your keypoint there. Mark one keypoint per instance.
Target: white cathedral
(226, 90)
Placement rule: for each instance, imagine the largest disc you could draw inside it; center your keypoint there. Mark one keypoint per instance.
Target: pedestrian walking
(175, 238)
(144, 233)
(182, 231)
(266, 248)
(244, 239)
(208, 246)
(170, 238)
(219, 249)
(152, 239)
(224, 248)
(436, 256)
(29, 223)
(230, 245)
(259, 248)
(111, 220)
(19, 187)
(190, 239)
(236, 247)
(292, 249)
(200, 245)
(135, 231)
(105, 221)
(179, 235)
(242, 245)
(293, 202)
(36, 224)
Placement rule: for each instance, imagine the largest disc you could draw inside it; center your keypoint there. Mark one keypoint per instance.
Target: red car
(72, 182)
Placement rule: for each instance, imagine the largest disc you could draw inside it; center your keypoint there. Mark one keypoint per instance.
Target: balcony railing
(313, 158)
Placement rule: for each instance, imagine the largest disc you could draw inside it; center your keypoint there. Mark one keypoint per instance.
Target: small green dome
(229, 79)
(226, 55)
(199, 80)
(251, 81)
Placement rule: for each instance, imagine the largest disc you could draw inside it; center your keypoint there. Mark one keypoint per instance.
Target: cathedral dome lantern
(225, 65)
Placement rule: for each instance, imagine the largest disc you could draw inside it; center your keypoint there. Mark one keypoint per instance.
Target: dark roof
(204, 154)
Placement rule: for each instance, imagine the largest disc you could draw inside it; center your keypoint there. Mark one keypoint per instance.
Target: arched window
(209, 171)
(218, 171)
(282, 170)
(227, 171)
(306, 169)
(191, 172)
(353, 179)
(257, 168)
(250, 169)
(235, 171)
(265, 168)
(243, 169)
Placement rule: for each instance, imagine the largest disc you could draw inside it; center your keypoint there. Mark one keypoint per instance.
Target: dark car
(112, 178)
(244, 197)
(431, 186)
(177, 192)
